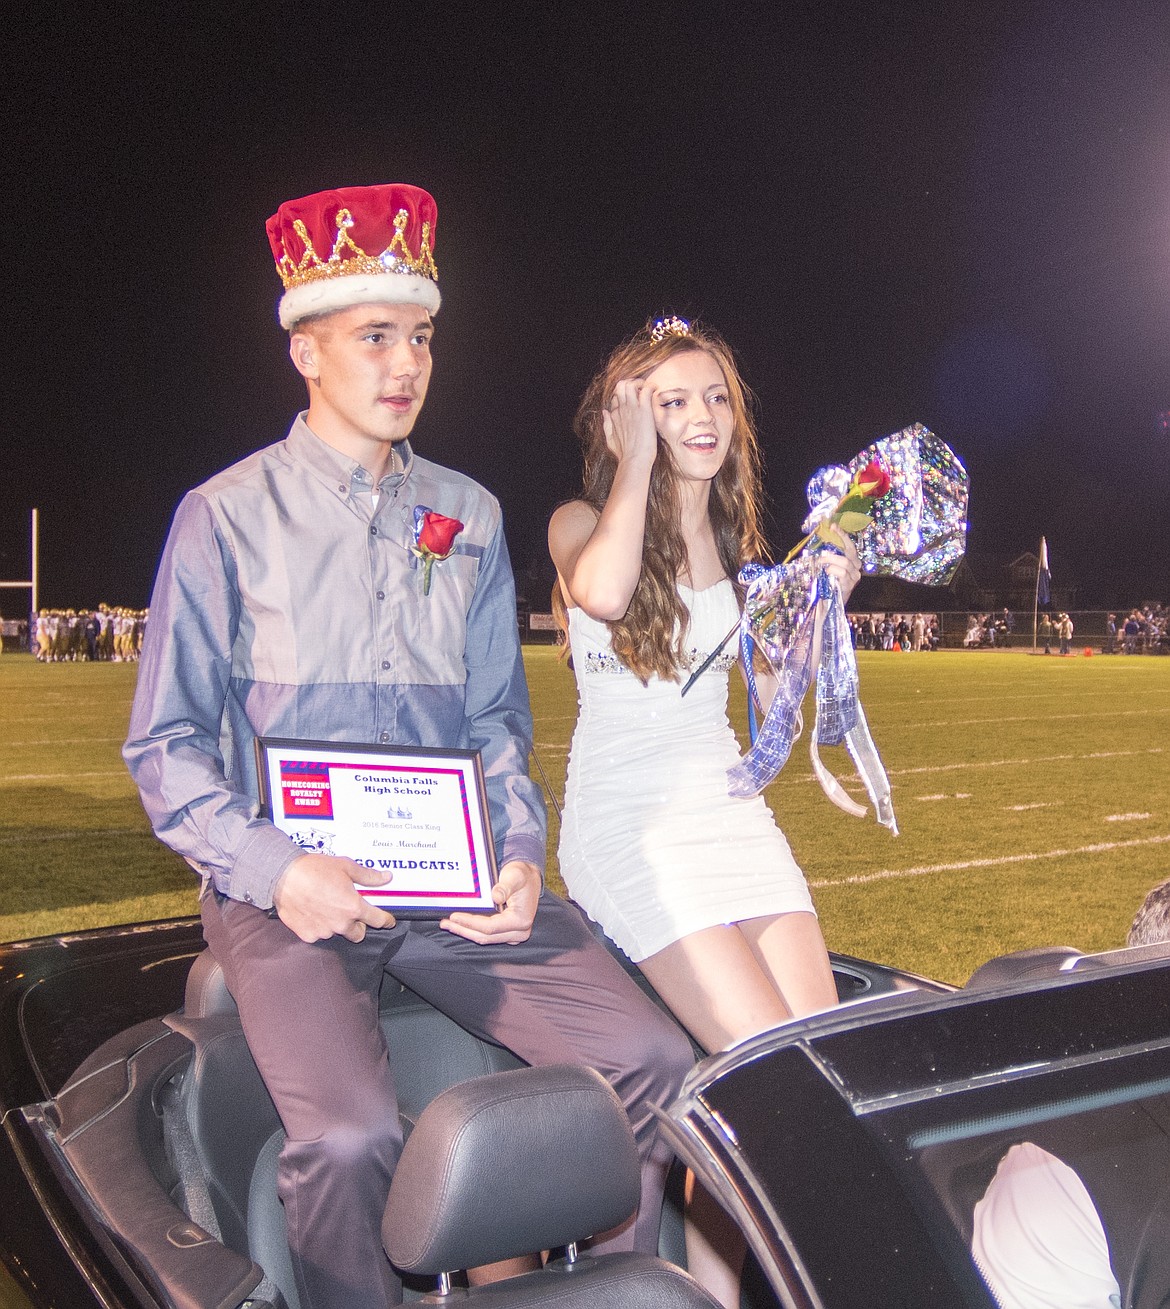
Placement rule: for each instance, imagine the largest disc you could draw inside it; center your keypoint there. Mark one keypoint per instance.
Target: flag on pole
(1043, 576)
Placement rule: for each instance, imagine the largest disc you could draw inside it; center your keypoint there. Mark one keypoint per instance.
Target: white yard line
(1126, 818)
(893, 703)
(68, 740)
(79, 716)
(1022, 763)
(1024, 718)
(92, 834)
(545, 748)
(888, 874)
(56, 777)
(854, 782)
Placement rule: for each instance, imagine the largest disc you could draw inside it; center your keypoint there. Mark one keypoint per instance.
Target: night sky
(951, 213)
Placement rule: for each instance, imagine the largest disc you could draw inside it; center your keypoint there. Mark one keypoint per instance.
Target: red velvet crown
(355, 245)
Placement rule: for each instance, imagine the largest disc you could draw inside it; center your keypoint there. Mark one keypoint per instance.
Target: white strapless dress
(652, 847)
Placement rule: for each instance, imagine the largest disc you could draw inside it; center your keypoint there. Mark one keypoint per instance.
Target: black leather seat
(1024, 966)
(233, 1123)
(523, 1161)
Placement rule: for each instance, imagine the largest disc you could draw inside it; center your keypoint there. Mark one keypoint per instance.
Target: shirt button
(384, 738)
(373, 531)
(385, 663)
(341, 489)
(381, 595)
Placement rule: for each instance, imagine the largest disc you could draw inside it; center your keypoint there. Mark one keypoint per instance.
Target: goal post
(32, 583)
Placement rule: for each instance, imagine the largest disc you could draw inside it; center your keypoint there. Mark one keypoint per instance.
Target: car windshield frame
(852, 1101)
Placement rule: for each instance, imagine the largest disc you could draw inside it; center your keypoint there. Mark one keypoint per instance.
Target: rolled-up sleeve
(498, 712)
(173, 749)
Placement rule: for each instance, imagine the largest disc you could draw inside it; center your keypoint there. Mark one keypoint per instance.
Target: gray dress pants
(310, 1016)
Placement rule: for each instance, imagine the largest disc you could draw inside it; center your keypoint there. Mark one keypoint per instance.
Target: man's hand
(315, 898)
(516, 893)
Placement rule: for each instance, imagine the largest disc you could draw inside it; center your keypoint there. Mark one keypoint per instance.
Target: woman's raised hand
(599, 555)
(628, 423)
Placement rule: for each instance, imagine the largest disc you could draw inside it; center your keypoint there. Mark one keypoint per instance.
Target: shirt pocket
(444, 608)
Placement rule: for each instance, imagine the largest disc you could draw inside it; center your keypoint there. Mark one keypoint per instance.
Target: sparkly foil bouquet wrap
(842, 504)
(917, 531)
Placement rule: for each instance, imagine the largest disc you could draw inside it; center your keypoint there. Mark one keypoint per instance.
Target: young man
(291, 602)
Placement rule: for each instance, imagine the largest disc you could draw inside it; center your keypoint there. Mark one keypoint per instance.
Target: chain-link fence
(954, 632)
(1090, 631)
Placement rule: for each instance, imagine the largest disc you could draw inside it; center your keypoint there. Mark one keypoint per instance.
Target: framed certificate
(419, 815)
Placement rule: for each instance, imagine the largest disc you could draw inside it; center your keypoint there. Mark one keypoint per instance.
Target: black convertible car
(137, 1165)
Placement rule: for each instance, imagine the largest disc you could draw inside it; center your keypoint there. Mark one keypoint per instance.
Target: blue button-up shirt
(288, 604)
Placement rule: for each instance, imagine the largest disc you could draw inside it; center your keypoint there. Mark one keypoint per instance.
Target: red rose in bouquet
(873, 481)
(853, 512)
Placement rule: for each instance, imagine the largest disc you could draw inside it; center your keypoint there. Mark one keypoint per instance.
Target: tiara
(396, 258)
(672, 326)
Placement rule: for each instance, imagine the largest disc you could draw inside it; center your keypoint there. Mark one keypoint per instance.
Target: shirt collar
(333, 468)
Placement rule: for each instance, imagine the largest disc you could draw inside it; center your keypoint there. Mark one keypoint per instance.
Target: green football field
(1033, 798)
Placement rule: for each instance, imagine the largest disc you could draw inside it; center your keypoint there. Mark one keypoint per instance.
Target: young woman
(699, 889)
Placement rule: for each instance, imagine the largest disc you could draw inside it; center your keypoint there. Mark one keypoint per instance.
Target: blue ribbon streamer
(918, 533)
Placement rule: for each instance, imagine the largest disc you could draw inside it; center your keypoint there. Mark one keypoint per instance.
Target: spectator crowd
(895, 631)
(1142, 631)
(114, 633)
(986, 631)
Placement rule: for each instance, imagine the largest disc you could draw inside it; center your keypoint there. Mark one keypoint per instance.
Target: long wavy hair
(649, 637)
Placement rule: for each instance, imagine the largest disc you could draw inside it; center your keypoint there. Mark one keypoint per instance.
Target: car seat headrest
(1024, 966)
(504, 1165)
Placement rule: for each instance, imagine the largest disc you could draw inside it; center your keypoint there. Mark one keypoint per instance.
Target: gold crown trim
(396, 258)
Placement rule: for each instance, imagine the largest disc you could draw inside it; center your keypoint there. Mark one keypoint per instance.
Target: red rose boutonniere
(850, 510)
(434, 538)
